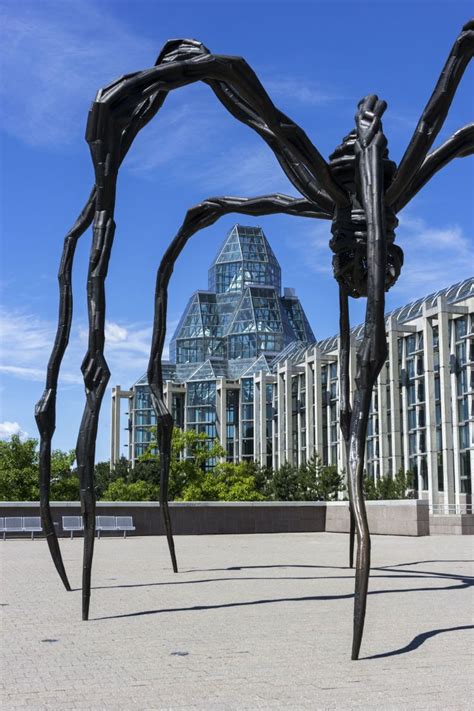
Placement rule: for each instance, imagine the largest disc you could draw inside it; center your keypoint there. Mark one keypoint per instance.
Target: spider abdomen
(349, 225)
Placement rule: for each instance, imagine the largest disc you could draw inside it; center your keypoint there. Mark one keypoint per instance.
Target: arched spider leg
(459, 145)
(45, 410)
(345, 410)
(372, 352)
(434, 114)
(113, 110)
(237, 87)
(197, 218)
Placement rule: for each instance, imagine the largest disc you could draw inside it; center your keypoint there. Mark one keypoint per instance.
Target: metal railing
(450, 509)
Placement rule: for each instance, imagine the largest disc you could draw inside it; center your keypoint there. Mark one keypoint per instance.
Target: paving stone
(250, 622)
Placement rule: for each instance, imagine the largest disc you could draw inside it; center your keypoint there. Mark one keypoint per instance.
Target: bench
(102, 523)
(20, 524)
(73, 523)
(114, 523)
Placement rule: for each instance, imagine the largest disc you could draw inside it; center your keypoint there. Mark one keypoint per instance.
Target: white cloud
(435, 256)
(246, 170)
(27, 341)
(296, 89)
(311, 238)
(115, 333)
(38, 374)
(8, 429)
(181, 135)
(55, 55)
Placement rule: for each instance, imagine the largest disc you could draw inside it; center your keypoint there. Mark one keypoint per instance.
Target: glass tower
(234, 329)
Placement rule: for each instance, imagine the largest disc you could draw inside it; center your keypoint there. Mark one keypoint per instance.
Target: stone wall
(398, 518)
(194, 517)
(395, 518)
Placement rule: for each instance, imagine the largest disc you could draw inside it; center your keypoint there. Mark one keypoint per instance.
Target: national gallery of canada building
(245, 367)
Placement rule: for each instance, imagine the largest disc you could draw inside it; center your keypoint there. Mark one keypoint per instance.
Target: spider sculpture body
(360, 190)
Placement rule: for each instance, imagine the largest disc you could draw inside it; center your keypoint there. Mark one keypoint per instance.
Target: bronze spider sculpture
(360, 190)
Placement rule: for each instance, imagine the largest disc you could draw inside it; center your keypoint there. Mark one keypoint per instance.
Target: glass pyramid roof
(244, 258)
(243, 316)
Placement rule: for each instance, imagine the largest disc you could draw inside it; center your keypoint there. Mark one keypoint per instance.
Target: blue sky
(316, 59)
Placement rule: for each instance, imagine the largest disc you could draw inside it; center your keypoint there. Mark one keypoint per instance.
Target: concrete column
(430, 410)
(301, 418)
(260, 414)
(455, 420)
(282, 407)
(115, 427)
(221, 409)
(446, 405)
(288, 414)
(115, 453)
(309, 404)
(405, 441)
(318, 403)
(384, 454)
(394, 397)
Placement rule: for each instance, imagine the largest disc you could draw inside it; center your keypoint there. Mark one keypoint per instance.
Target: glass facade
(229, 332)
(245, 369)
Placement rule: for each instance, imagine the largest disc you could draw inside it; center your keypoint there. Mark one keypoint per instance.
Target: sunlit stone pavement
(250, 622)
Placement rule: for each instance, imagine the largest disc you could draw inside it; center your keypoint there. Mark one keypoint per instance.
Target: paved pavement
(250, 622)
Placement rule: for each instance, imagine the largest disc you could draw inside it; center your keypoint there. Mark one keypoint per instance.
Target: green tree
(286, 484)
(64, 479)
(121, 490)
(19, 470)
(320, 482)
(227, 482)
(387, 488)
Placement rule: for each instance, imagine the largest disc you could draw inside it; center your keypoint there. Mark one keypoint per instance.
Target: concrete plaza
(250, 622)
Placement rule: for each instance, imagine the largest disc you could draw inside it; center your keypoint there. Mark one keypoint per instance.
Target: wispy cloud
(300, 90)
(37, 374)
(311, 238)
(55, 55)
(8, 429)
(27, 341)
(181, 136)
(246, 170)
(435, 256)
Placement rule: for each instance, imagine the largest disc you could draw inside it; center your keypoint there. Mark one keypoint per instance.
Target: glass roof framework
(197, 336)
(243, 315)
(457, 292)
(245, 258)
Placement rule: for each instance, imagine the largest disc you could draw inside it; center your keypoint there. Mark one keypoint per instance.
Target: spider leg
(372, 352)
(104, 138)
(434, 114)
(113, 111)
(108, 144)
(345, 410)
(198, 217)
(45, 410)
(237, 87)
(459, 145)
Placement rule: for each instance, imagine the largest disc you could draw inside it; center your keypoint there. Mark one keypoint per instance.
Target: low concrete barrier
(452, 524)
(407, 517)
(398, 518)
(195, 517)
